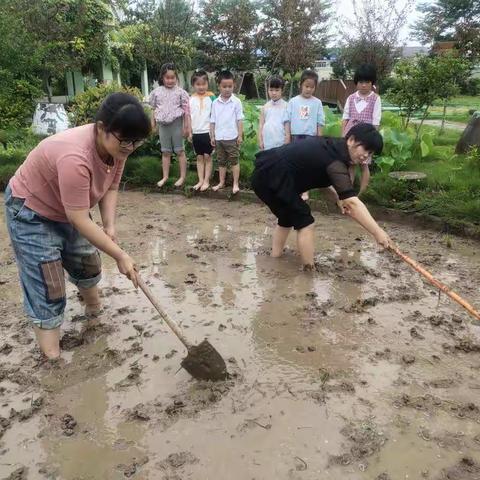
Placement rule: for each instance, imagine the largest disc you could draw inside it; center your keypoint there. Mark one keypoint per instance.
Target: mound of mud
(465, 469)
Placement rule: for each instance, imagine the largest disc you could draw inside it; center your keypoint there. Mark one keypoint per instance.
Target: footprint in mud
(133, 467)
(364, 440)
(133, 378)
(72, 339)
(20, 473)
(175, 462)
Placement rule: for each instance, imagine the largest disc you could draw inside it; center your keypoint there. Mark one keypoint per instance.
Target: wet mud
(357, 370)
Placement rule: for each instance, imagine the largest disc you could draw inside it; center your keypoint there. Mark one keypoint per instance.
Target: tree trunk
(47, 86)
(471, 135)
(420, 125)
(442, 127)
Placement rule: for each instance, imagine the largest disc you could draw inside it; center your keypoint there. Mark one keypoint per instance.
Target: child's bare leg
(222, 172)
(305, 196)
(236, 178)
(91, 298)
(305, 244)
(48, 341)
(200, 171)
(182, 160)
(166, 158)
(279, 238)
(208, 173)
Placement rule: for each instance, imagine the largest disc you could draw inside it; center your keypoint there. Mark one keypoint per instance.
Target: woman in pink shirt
(48, 204)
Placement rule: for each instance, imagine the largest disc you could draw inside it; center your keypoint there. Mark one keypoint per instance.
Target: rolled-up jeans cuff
(85, 282)
(49, 323)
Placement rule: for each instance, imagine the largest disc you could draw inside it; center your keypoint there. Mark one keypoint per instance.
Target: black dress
(282, 174)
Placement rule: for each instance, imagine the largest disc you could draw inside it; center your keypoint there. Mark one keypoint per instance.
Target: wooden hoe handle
(176, 329)
(454, 296)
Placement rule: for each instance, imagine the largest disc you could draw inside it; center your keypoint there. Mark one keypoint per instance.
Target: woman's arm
(81, 221)
(344, 126)
(108, 208)
(356, 209)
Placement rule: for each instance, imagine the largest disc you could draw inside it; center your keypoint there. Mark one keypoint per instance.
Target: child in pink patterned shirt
(363, 106)
(171, 112)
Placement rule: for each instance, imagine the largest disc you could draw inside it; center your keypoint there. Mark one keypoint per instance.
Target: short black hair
(164, 69)
(309, 75)
(275, 81)
(123, 114)
(368, 136)
(365, 73)
(224, 75)
(198, 74)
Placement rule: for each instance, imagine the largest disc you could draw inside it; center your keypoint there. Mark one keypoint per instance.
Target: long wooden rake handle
(176, 329)
(454, 296)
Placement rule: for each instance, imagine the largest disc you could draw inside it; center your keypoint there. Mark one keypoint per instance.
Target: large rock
(470, 136)
(49, 118)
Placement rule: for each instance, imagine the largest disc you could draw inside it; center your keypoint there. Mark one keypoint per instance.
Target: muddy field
(358, 371)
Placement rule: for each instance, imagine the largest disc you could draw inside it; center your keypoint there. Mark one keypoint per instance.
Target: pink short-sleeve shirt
(65, 172)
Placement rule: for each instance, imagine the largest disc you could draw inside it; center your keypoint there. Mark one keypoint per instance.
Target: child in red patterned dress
(363, 106)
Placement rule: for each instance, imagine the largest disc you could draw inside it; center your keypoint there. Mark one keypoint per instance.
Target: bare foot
(204, 187)
(162, 182)
(179, 182)
(218, 187)
(305, 196)
(235, 189)
(197, 186)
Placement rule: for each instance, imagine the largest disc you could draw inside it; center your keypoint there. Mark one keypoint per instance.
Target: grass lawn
(463, 101)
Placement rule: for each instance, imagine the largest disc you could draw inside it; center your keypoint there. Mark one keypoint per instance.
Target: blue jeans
(43, 249)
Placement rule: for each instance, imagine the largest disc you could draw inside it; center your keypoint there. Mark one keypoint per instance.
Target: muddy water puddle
(358, 371)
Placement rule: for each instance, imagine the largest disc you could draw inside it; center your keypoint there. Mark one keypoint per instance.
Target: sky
(345, 6)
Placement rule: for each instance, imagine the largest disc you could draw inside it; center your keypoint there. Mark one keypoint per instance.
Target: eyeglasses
(129, 143)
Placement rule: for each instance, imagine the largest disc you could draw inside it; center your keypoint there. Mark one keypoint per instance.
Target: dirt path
(448, 124)
(356, 372)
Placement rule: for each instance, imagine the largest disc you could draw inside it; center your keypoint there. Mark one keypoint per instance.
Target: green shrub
(13, 156)
(22, 138)
(142, 171)
(6, 173)
(85, 105)
(17, 101)
(390, 192)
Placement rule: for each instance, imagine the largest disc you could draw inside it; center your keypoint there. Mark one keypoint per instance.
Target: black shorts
(274, 185)
(201, 144)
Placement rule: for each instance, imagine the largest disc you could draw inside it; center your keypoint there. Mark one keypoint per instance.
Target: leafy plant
(85, 105)
(399, 147)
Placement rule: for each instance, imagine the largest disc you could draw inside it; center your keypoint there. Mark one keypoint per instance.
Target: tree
(420, 81)
(228, 34)
(19, 87)
(373, 35)
(66, 34)
(293, 34)
(454, 20)
(159, 32)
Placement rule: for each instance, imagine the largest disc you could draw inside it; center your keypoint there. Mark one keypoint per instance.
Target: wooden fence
(336, 92)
